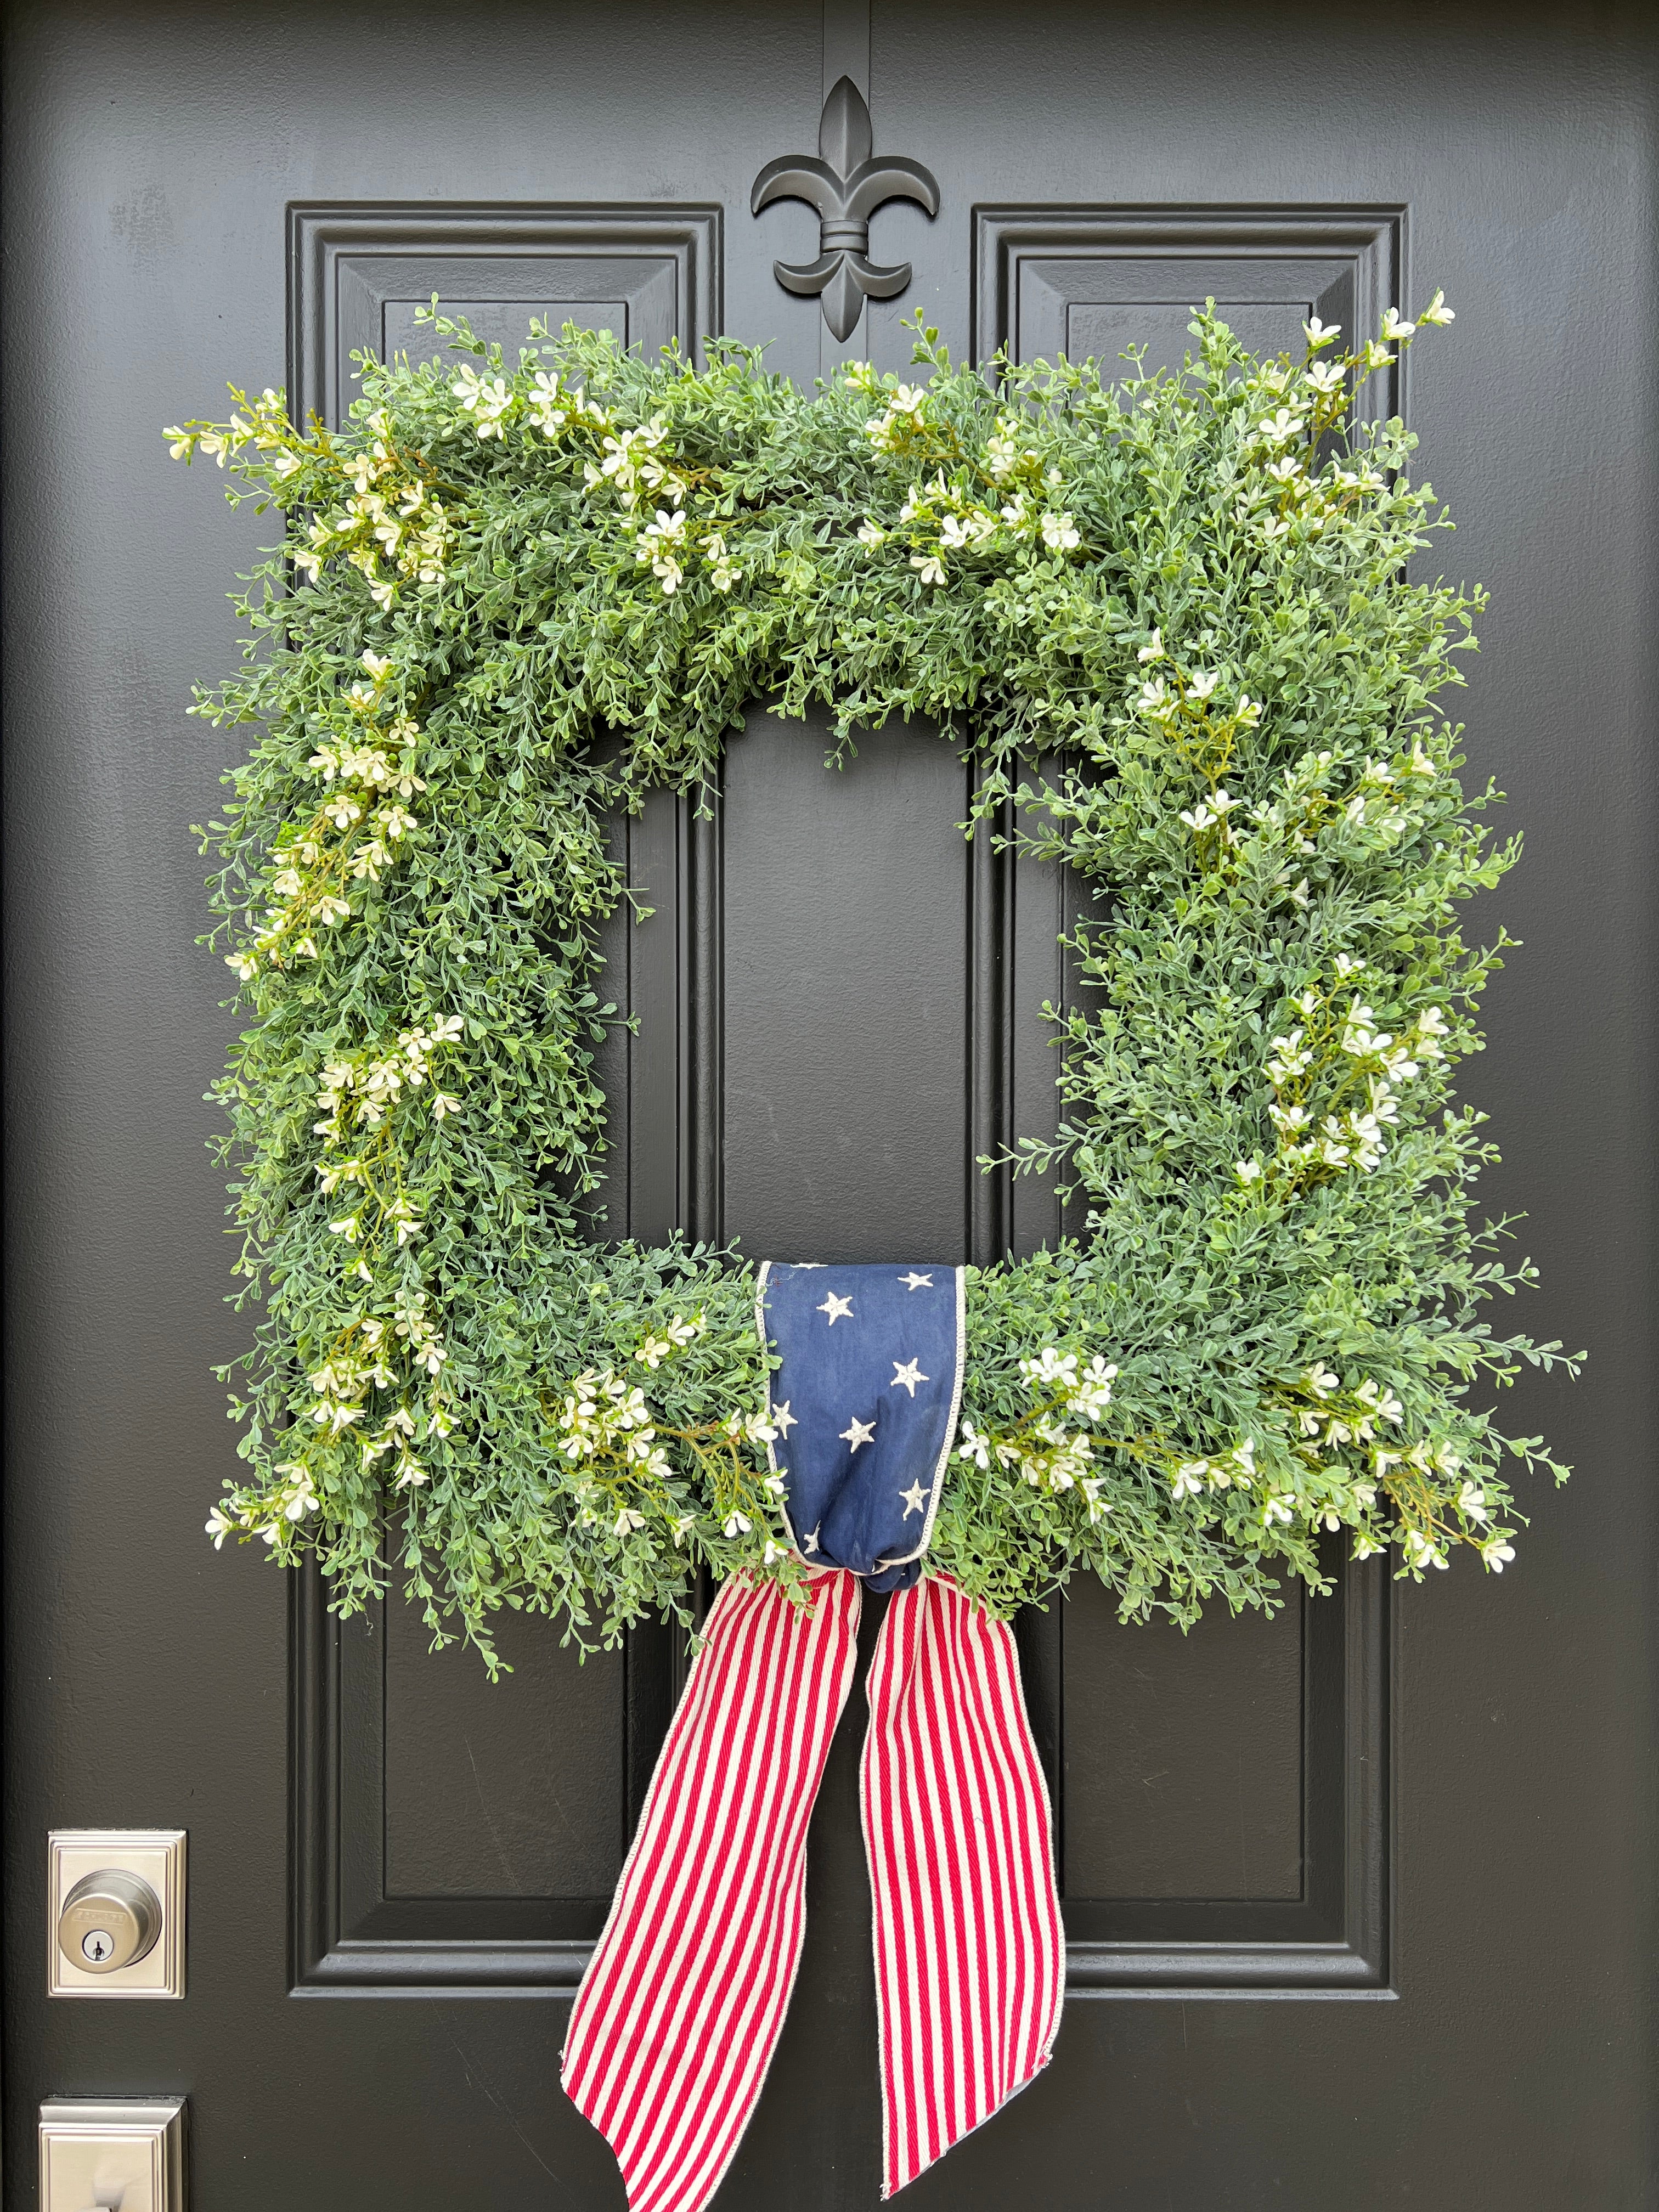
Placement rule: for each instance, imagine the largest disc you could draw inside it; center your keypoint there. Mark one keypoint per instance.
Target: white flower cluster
(631, 464)
(554, 407)
(389, 524)
(278, 1510)
(651, 1351)
(631, 467)
(1337, 1044)
(492, 401)
(1222, 1471)
(1048, 1454)
(391, 527)
(357, 1096)
(1304, 818)
(372, 1353)
(607, 1428)
(1333, 1418)
(605, 1412)
(659, 546)
(1324, 1497)
(943, 517)
(905, 411)
(1006, 457)
(368, 776)
(488, 399)
(754, 1429)
(363, 1090)
(1193, 709)
(1299, 406)
(265, 427)
(362, 1361)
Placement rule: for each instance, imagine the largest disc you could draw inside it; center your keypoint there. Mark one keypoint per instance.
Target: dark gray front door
(1359, 1902)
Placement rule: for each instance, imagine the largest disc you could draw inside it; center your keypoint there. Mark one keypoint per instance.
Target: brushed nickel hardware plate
(106, 1888)
(96, 2154)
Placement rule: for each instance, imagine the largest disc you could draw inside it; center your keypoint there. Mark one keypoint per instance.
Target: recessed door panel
(846, 995)
(1184, 1756)
(511, 1789)
(478, 1829)
(1208, 1786)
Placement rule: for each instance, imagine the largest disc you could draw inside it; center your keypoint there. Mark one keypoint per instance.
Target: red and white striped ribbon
(679, 2013)
(970, 1954)
(675, 2020)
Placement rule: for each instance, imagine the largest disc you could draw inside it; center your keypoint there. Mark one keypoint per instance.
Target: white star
(860, 1432)
(837, 1309)
(915, 1282)
(804, 1267)
(915, 1498)
(812, 1543)
(909, 1376)
(784, 1420)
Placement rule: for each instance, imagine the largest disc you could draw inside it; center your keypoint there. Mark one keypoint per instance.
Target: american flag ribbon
(681, 2008)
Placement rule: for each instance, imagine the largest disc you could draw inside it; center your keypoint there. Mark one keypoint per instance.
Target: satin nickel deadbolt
(110, 1919)
(117, 1901)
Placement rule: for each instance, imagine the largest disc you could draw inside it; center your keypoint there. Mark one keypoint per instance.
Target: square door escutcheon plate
(98, 2151)
(157, 1856)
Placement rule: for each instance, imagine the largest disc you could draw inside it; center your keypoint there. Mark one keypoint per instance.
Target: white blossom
(1281, 427)
(488, 399)
(1472, 1502)
(975, 1446)
(659, 545)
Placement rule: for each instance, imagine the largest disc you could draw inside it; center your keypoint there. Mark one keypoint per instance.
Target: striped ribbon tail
(677, 2015)
(969, 1949)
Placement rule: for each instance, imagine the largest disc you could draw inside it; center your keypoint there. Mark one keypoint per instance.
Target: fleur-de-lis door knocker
(846, 184)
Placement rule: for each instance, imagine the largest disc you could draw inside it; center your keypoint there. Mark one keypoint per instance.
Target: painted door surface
(1359, 1902)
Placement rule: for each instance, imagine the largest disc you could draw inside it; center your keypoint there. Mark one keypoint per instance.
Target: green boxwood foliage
(512, 597)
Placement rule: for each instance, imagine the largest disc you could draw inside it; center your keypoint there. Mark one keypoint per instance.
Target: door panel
(1088, 282)
(357, 273)
(845, 997)
(1200, 1804)
(474, 1809)
(1149, 1749)
(1358, 1900)
(447, 1828)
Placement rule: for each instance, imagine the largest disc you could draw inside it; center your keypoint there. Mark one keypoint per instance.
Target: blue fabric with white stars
(864, 1406)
